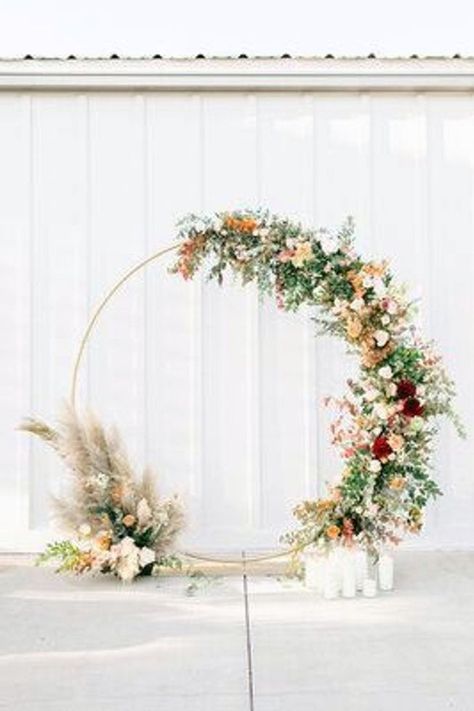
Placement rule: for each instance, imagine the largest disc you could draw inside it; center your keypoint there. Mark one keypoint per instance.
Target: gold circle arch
(91, 325)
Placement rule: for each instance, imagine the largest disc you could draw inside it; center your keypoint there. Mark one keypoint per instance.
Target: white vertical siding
(221, 393)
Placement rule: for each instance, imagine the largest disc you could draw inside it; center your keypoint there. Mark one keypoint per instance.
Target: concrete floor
(70, 644)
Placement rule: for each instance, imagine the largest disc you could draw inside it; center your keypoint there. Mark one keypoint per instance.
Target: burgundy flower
(381, 448)
(412, 407)
(406, 388)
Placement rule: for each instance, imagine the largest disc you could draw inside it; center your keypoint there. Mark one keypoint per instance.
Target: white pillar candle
(349, 575)
(370, 587)
(332, 580)
(361, 568)
(323, 569)
(385, 571)
(312, 571)
(331, 587)
(336, 563)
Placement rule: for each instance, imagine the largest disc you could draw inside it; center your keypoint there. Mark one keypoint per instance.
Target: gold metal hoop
(75, 379)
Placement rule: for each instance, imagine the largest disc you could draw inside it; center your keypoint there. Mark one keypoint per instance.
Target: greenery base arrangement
(115, 521)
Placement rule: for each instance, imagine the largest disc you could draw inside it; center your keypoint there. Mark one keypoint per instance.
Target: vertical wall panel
(59, 248)
(450, 126)
(286, 135)
(15, 315)
(230, 354)
(222, 394)
(173, 374)
(117, 242)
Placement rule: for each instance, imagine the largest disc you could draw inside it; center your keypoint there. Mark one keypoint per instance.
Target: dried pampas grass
(106, 495)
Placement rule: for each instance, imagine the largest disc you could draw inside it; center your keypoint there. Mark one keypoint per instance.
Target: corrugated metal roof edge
(243, 56)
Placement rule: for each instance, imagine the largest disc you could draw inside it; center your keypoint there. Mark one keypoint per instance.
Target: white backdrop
(220, 393)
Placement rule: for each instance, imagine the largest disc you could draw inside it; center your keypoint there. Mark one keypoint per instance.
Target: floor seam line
(248, 635)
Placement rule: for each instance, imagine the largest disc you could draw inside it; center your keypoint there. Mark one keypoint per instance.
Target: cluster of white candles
(345, 571)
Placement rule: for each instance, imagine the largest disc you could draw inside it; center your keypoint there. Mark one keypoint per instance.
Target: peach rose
(396, 442)
(129, 520)
(353, 327)
(303, 253)
(103, 540)
(397, 483)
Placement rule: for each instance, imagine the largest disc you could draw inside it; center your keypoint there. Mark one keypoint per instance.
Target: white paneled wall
(221, 393)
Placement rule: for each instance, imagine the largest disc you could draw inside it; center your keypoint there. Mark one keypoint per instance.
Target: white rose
(371, 394)
(385, 319)
(381, 338)
(357, 304)
(375, 466)
(392, 389)
(127, 569)
(328, 244)
(127, 559)
(385, 372)
(379, 286)
(146, 556)
(381, 411)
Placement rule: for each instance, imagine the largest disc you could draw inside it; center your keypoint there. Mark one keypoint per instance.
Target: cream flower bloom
(381, 411)
(357, 304)
(146, 556)
(84, 529)
(375, 466)
(328, 244)
(371, 394)
(143, 512)
(391, 389)
(379, 286)
(127, 563)
(386, 372)
(392, 307)
(381, 338)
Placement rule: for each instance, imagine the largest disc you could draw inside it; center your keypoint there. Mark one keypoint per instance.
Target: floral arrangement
(116, 522)
(385, 424)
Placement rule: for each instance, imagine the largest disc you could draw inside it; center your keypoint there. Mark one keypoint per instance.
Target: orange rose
(129, 520)
(245, 224)
(333, 531)
(357, 282)
(248, 225)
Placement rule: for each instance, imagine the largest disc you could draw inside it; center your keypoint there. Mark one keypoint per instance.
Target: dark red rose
(412, 407)
(406, 388)
(381, 448)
